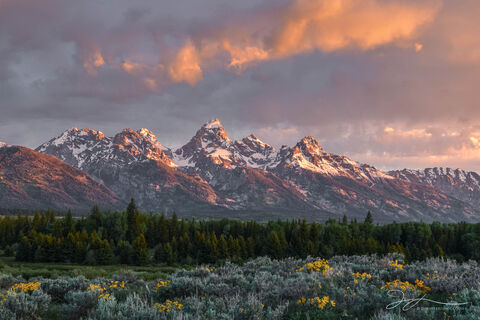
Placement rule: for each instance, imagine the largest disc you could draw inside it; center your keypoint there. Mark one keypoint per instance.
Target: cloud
(299, 27)
(93, 62)
(336, 24)
(343, 71)
(185, 67)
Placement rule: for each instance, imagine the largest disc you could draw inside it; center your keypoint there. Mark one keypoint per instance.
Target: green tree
(133, 227)
(24, 252)
(368, 218)
(140, 250)
(223, 248)
(68, 226)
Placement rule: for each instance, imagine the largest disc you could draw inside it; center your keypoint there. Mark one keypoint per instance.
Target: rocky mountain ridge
(213, 172)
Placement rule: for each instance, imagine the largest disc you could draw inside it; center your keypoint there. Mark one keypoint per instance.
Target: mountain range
(214, 175)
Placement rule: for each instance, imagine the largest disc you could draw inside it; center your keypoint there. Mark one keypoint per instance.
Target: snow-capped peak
(309, 145)
(215, 123)
(253, 138)
(3, 144)
(87, 147)
(147, 133)
(439, 175)
(211, 134)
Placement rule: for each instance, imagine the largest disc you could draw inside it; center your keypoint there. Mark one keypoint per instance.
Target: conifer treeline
(131, 237)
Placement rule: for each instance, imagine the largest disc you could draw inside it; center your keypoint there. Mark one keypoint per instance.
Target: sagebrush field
(356, 287)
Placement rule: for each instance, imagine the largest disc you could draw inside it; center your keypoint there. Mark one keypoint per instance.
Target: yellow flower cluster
(435, 275)
(363, 276)
(96, 287)
(115, 284)
(321, 265)
(347, 292)
(104, 287)
(208, 269)
(106, 296)
(25, 287)
(320, 303)
(418, 286)
(162, 284)
(168, 306)
(20, 287)
(396, 264)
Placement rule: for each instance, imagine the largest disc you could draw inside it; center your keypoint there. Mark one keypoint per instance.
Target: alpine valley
(214, 176)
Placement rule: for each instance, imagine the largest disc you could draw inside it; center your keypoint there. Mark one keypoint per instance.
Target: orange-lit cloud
(300, 27)
(242, 56)
(186, 65)
(93, 62)
(336, 24)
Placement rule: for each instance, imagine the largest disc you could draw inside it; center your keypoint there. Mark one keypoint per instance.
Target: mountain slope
(133, 164)
(213, 172)
(32, 180)
(335, 183)
(235, 170)
(460, 184)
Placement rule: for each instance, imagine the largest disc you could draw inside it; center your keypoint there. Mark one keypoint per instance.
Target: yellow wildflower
(396, 265)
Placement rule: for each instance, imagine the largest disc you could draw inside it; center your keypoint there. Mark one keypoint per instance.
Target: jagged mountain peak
(83, 132)
(87, 147)
(3, 144)
(147, 134)
(309, 145)
(74, 133)
(250, 174)
(433, 175)
(214, 123)
(140, 135)
(128, 136)
(212, 131)
(254, 142)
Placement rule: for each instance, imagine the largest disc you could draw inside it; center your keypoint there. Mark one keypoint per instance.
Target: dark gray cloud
(62, 64)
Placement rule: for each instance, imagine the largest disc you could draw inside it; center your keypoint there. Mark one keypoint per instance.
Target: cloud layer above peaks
(390, 82)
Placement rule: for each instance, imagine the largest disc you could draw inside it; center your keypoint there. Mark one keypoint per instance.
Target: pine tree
(96, 215)
(132, 221)
(213, 248)
(124, 252)
(105, 253)
(24, 250)
(140, 250)
(368, 218)
(223, 248)
(68, 226)
(57, 228)
(273, 245)
(161, 253)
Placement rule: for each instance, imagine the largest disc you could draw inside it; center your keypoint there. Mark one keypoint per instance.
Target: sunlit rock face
(460, 184)
(36, 181)
(213, 172)
(132, 164)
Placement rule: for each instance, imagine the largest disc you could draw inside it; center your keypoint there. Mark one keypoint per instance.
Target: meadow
(354, 287)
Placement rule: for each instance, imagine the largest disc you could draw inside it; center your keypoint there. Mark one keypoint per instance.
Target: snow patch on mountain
(86, 146)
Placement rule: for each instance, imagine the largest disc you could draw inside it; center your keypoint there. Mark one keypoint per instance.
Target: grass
(28, 270)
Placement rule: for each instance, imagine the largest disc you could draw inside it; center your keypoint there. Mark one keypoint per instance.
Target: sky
(393, 83)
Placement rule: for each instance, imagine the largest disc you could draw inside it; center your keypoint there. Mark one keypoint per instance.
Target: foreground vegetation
(29, 270)
(134, 238)
(356, 287)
